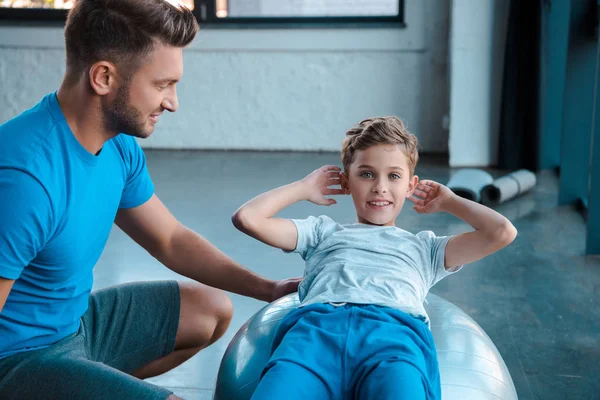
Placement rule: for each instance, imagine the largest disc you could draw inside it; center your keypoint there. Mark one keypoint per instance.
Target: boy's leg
(393, 380)
(306, 363)
(288, 380)
(148, 328)
(395, 354)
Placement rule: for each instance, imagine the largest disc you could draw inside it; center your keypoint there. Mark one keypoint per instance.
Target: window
(59, 4)
(246, 12)
(299, 11)
(48, 9)
(36, 4)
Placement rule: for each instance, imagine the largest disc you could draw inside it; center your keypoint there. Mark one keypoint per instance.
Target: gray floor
(538, 299)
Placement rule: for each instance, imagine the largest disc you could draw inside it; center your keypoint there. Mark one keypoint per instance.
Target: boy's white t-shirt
(366, 264)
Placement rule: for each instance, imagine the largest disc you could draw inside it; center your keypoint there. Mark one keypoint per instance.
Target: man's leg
(148, 328)
(205, 314)
(63, 371)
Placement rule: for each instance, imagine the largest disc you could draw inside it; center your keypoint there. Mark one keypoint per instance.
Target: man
(69, 168)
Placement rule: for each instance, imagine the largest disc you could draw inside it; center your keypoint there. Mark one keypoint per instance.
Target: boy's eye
(395, 176)
(367, 175)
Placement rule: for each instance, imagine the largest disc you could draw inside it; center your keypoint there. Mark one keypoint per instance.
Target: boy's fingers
(420, 193)
(425, 188)
(416, 200)
(333, 191)
(326, 202)
(429, 183)
(418, 209)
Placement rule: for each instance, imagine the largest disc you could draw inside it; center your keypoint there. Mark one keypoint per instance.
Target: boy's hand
(431, 197)
(317, 185)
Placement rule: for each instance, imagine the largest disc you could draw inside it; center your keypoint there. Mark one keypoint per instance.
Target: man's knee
(223, 311)
(205, 312)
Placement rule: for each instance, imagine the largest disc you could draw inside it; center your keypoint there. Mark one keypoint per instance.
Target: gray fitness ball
(470, 365)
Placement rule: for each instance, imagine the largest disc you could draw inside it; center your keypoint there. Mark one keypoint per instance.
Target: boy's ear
(344, 183)
(412, 185)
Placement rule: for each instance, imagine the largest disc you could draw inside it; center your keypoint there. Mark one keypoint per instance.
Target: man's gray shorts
(126, 327)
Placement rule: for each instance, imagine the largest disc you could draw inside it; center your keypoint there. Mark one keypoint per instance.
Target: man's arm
(255, 218)
(180, 249)
(5, 287)
(26, 220)
(492, 230)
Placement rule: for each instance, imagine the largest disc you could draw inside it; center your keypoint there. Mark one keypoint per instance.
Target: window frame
(33, 14)
(205, 12)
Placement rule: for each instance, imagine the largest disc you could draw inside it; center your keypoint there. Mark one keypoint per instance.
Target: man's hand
(317, 185)
(431, 197)
(285, 286)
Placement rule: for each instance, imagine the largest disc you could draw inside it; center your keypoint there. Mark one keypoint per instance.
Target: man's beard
(121, 117)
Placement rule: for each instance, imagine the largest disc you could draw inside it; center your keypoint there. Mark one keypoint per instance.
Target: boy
(361, 330)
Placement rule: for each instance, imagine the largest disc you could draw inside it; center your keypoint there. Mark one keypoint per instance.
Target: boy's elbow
(506, 234)
(238, 219)
(241, 220)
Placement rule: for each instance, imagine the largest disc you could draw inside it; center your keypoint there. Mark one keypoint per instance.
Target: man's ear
(412, 185)
(344, 182)
(103, 77)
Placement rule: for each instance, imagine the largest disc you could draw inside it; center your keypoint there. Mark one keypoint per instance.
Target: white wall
(478, 36)
(290, 89)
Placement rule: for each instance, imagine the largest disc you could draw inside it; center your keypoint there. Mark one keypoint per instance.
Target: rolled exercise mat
(468, 183)
(507, 187)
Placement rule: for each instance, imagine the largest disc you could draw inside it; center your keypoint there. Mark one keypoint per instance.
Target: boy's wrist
(450, 203)
(301, 189)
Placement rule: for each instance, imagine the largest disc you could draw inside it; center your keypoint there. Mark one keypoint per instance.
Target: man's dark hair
(123, 31)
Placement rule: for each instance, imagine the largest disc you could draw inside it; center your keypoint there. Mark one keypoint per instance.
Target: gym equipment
(507, 187)
(468, 183)
(470, 365)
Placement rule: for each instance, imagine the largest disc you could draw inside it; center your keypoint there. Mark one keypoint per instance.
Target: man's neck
(83, 112)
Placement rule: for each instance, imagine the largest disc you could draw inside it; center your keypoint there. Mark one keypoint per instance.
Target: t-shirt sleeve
(310, 234)
(138, 186)
(26, 215)
(435, 247)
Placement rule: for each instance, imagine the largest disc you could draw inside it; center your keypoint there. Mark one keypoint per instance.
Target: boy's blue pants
(351, 352)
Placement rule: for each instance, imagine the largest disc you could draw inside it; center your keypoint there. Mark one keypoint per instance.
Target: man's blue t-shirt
(57, 206)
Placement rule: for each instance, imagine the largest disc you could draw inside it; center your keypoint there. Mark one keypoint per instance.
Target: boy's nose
(379, 189)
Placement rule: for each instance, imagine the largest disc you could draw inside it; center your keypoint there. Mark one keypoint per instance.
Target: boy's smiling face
(379, 180)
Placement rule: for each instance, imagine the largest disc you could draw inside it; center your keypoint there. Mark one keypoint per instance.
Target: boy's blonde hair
(380, 130)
